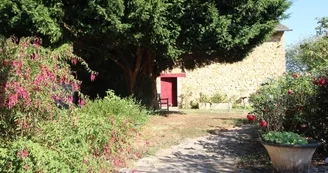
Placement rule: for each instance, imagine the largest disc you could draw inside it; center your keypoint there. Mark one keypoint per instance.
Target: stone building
(235, 81)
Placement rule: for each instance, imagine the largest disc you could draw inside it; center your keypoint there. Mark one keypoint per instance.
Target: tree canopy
(310, 54)
(145, 37)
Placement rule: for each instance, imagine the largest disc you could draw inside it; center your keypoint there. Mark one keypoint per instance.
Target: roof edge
(282, 27)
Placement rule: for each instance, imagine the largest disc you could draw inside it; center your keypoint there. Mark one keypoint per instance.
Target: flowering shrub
(31, 84)
(316, 125)
(279, 104)
(39, 136)
(77, 143)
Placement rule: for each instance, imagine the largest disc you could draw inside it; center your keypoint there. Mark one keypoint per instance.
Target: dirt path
(218, 152)
(194, 142)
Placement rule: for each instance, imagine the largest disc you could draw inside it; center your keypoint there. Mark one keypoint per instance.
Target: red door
(169, 90)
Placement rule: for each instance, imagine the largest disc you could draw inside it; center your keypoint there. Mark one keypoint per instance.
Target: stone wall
(235, 80)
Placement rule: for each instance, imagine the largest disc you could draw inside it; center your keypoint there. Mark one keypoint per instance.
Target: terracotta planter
(291, 158)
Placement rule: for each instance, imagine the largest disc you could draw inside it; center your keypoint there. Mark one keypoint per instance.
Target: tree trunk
(142, 77)
(152, 76)
(132, 73)
(154, 101)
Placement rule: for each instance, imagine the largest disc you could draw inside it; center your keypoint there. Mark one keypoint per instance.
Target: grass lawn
(170, 128)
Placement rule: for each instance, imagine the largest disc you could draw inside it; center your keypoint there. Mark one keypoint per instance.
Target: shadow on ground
(166, 113)
(219, 152)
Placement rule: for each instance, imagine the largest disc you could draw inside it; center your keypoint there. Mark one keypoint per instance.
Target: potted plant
(279, 106)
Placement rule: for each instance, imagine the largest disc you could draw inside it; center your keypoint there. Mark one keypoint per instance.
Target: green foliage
(312, 56)
(94, 138)
(204, 98)
(38, 135)
(38, 158)
(311, 53)
(216, 98)
(284, 138)
(31, 83)
(317, 112)
(43, 18)
(281, 102)
(123, 108)
(145, 37)
(219, 98)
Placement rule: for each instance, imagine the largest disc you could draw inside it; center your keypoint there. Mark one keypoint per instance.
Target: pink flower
(92, 77)
(25, 124)
(138, 155)
(147, 143)
(69, 99)
(73, 61)
(37, 42)
(263, 123)
(322, 81)
(75, 86)
(24, 154)
(35, 56)
(290, 91)
(26, 166)
(81, 102)
(295, 75)
(27, 73)
(251, 117)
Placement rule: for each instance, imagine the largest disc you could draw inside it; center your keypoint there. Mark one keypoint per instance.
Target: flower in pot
(278, 109)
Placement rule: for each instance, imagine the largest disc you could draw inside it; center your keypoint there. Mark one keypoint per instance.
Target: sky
(302, 20)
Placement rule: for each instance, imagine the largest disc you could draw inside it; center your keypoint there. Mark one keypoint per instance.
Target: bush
(280, 103)
(316, 120)
(90, 138)
(38, 136)
(31, 79)
(122, 108)
(216, 98)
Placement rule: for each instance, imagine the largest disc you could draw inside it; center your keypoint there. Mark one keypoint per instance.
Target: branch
(138, 60)
(124, 68)
(69, 29)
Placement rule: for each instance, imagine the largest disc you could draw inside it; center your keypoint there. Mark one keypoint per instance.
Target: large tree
(145, 37)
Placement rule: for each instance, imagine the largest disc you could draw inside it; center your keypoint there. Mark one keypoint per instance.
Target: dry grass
(170, 129)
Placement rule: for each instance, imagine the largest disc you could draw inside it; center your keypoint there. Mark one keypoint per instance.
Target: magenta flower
(24, 154)
(290, 91)
(82, 102)
(322, 81)
(92, 77)
(73, 61)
